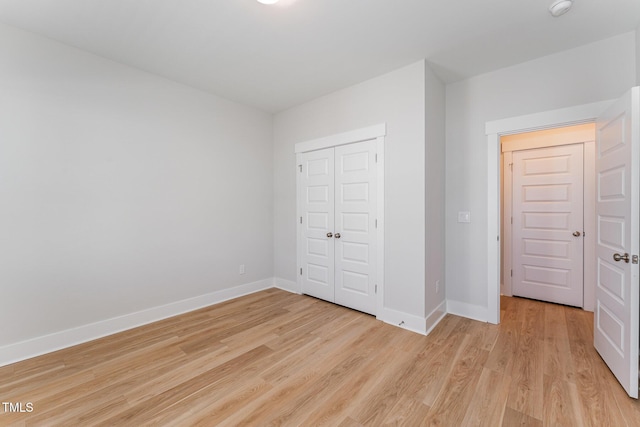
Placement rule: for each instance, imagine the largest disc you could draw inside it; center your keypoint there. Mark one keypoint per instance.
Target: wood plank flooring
(274, 358)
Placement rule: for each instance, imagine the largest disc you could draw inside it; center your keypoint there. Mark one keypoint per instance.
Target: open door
(618, 239)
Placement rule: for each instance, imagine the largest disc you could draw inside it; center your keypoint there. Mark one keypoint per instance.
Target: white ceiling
(275, 57)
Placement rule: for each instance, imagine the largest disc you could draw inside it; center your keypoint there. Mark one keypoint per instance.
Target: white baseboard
(403, 320)
(287, 285)
(435, 317)
(471, 311)
(46, 344)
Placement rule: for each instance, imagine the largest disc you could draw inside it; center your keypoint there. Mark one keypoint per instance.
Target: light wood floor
(275, 358)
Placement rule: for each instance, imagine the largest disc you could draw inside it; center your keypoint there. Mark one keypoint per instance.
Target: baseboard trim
(403, 320)
(48, 343)
(435, 317)
(287, 285)
(471, 311)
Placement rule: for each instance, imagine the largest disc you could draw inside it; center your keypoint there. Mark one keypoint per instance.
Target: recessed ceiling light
(560, 7)
(268, 1)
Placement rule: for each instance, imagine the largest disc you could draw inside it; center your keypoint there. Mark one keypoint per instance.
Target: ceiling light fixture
(560, 7)
(268, 1)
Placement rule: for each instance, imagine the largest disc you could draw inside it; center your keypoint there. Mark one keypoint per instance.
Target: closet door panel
(355, 225)
(317, 205)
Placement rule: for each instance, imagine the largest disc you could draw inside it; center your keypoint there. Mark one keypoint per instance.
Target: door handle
(618, 258)
(576, 233)
(338, 235)
(329, 234)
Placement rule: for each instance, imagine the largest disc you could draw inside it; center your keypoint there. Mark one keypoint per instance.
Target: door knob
(329, 234)
(576, 233)
(337, 235)
(618, 257)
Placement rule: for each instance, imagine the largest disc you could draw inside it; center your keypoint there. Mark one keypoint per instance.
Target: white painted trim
(471, 311)
(508, 213)
(357, 135)
(299, 209)
(287, 285)
(549, 119)
(556, 137)
(589, 297)
(403, 320)
(45, 344)
(585, 113)
(435, 317)
(493, 231)
(412, 322)
(381, 222)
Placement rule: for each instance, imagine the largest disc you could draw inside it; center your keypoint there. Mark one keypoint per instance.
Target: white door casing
(355, 226)
(617, 204)
(316, 198)
(548, 229)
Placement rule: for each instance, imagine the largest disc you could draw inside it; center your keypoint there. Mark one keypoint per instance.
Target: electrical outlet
(437, 286)
(241, 268)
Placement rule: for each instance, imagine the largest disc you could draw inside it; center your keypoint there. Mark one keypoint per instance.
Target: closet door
(316, 204)
(355, 226)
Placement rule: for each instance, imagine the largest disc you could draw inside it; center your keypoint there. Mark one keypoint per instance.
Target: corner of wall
(287, 285)
(414, 323)
(435, 159)
(470, 311)
(403, 320)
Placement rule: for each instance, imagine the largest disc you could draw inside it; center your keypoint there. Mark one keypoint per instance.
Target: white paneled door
(618, 240)
(548, 224)
(337, 201)
(355, 239)
(317, 223)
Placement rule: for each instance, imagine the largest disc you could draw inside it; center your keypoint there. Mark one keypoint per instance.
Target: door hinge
(300, 167)
(300, 220)
(376, 222)
(511, 220)
(301, 271)
(376, 157)
(376, 289)
(511, 273)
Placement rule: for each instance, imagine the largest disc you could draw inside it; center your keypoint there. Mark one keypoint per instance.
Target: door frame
(589, 206)
(377, 133)
(580, 114)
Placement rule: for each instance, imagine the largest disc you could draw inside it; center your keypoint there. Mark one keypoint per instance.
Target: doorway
(547, 219)
(617, 318)
(337, 191)
(494, 130)
(340, 218)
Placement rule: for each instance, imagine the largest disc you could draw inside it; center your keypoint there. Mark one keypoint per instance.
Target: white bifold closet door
(337, 198)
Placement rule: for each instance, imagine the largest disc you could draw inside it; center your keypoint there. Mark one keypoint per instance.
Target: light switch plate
(464, 216)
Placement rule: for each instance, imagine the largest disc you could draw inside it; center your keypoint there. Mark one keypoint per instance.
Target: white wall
(397, 99)
(435, 147)
(598, 71)
(638, 56)
(120, 190)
